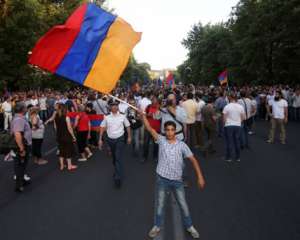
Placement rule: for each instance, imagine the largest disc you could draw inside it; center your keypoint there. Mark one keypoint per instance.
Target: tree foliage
(259, 44)
(22, 23)
(136, 72)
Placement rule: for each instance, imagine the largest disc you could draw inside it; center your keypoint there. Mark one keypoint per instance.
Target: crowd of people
(172, 123)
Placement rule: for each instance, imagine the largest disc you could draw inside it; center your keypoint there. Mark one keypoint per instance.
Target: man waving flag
(92, 48)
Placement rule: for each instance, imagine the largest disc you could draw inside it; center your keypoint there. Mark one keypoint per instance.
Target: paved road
(256, 199)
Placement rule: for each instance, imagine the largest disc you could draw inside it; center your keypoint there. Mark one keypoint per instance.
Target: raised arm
(148, 127)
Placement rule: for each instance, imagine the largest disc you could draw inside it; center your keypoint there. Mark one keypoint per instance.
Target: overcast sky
(165, 23)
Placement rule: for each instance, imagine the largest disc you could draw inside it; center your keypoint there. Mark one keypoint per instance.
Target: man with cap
(114, 124)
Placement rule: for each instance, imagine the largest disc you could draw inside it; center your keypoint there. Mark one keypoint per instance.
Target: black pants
(1, 121)
(117, 147)
(94, 138)
(82, 140)
(20, 164)
(37, 147)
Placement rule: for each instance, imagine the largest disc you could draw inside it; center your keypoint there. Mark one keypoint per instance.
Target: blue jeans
(116, 147)
(135, 140)
(162, 186)
(232, 140)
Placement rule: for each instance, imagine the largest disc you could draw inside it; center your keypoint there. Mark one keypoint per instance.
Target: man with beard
(278, 111)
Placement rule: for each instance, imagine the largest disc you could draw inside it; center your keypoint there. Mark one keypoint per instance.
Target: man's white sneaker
(228, 160)
(26, 177)
(154, 232)
(194, 233)
(82, 160)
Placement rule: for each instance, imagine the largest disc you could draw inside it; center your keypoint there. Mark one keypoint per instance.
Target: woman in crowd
(65, 137)
(38, 129)
(83, 129)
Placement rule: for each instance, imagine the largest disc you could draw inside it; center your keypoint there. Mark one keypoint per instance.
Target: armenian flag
(170, 81)
(95, 120)
(223, 78)
(92, 48)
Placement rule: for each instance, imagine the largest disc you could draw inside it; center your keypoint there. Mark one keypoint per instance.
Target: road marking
(50, 151)
(177, 221)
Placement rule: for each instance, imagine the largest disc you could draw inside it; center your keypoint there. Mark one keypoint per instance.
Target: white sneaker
(154, 232)
(238, 160)
(82, 160)
(194, 233)
(228, 160)
(26, 177)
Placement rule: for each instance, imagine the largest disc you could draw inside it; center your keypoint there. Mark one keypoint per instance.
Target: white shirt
(234, 113)
(123, 107)
(43, 104)
(144, 103)
(6, 106)
(191, 107)
(114, 124)
(254, 106)
(296, 101)
(278, 108)
(247, 105)
(34, 102)
(201, 104)
(100, 106)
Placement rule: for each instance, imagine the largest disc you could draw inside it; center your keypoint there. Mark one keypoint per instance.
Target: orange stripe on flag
(112, 57)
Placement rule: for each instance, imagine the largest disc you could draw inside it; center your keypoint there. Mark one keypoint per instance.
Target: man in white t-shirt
(191, 107)
(7, 110)
(43, 107)
(199, 127)
(278, 111)
(246, 103)
(233, 115)
(296, 105)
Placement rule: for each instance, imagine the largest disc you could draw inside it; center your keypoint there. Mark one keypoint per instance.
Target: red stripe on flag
(54, 45)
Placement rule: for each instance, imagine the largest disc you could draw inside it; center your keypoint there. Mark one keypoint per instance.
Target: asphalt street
(257, 199)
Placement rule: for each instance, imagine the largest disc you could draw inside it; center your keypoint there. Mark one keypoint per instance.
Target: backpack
(7, 143)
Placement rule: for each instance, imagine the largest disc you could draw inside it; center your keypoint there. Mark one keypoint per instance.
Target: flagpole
(120, 100)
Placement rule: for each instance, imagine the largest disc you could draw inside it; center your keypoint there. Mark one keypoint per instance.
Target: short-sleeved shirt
(171, 157)
(234, 112)
(43, 103)
(115, 124)
(190, 106)
(19, 124)
(83, 123)
(278, 108)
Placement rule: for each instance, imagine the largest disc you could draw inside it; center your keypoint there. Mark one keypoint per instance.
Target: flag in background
(223, 78)
(92, 48)
(170, 81)
(95, 120)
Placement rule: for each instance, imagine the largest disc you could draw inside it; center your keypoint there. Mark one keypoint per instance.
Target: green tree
(209, 53)
(22, 23)
(258, 45)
